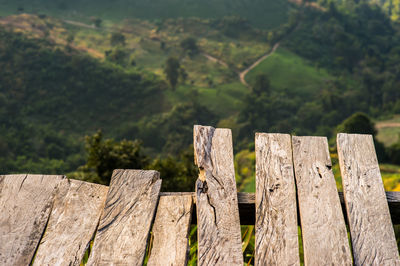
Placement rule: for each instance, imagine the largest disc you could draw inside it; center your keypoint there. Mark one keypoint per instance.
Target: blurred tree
(118, 55)
(96, 21)
(117, 38)
(262, 84)
(70, 38)
(360, 123)
(189, 45)
(106, 155)
(357, 123)
(171, 70)
(178, 173)
(394, 152)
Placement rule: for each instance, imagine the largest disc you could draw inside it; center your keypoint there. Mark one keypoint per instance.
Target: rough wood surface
(323, 228)
(171, 231)
(125, 223)
(372, 235)
(72, 224)
(219, 237)
(276, 212)
(25, 205)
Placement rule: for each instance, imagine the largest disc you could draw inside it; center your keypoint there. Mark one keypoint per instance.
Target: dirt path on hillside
(243, 74)
(215, 60)
(80, 24)
(387, 124)
(87, 26)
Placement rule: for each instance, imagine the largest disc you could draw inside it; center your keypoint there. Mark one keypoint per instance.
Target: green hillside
(66, 79)
(286, 70)
(91, 86)
(389, 130)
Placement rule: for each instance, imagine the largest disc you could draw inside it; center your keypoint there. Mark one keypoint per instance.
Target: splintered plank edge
(124, 227)
(372, 234)
(322, 222)
(171, 231)
(72, 224)
(276, 214)
(25, 205)
(219, 236)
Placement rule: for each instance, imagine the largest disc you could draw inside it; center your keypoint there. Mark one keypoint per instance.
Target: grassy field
(222, 99)
(388, 130)
(289, 71)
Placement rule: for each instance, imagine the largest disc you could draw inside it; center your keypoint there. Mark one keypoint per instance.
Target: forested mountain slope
(151, 80)
(263, 13)
(50, 97)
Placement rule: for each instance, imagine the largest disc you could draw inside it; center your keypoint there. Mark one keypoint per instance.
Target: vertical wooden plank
(25, 205)
(171, 231)
(125, 223)
(371, 229)
(323, 228)
(219, 236)
(276, 213)
(72, 224)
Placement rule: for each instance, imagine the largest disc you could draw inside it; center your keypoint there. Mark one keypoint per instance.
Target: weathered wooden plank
(72, 224)
(125, 223)
(171, 231)
(322, 223)
(276, 212)
(371, 229)
(25, 205)
(219, 238)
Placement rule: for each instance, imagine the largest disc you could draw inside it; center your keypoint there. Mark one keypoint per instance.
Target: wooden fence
(50, 220)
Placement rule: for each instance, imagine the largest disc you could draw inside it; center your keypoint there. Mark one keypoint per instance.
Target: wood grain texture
(171, 231)
(25, 205)
(125, 223)
(72, 224)
(219, 237)
(276, 212)
(323, 228)
(371, 229)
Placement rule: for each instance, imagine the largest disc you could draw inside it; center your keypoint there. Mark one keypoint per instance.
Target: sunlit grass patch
(289, 71)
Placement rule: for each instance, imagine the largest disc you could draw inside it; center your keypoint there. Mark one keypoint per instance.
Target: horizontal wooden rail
(247, 209)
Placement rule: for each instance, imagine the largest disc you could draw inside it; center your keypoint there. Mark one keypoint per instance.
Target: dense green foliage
(333, 61)
(104, 155)
(357, 45)
(270, 13)
(50, 98)
(360, 42)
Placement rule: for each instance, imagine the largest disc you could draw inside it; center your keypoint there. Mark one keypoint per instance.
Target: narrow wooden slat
(322, 223)
(25, 205)
(125, 223)
(219, 237)
(371, 229)
(72, 224)
(276, 213)
(171, 231)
